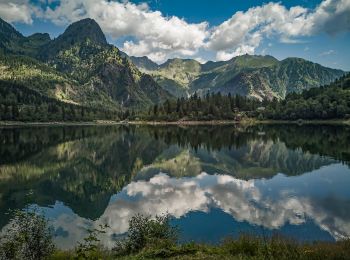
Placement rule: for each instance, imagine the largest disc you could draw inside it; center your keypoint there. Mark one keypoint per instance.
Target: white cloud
(241, 50)
(160, 37)
(327, 53)
(201, 60)
(331, 16)
(246, 30)
(17, 11)
(157, 36)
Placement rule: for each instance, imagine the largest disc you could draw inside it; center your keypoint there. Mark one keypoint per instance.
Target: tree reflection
(84, 166)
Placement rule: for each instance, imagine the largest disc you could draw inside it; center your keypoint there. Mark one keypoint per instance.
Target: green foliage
(18, 103)
(91, 247)
(262, 77)
(78, 67)
(27, 236)
(328, 102)
(145, 231)
(143, 63)
(213, 106)
(13, 42)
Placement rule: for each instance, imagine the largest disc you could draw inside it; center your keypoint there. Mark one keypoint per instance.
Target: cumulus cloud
(17, 11)
(157, 36)
(244, 31)
(160, 37)
(331, 16)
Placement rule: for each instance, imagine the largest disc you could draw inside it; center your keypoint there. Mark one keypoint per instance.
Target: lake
(215, 181)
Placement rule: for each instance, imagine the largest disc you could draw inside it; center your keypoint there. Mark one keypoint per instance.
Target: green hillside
(78, 67)
(13, 42)
(261, 77)
(327, 102)
(19, 103)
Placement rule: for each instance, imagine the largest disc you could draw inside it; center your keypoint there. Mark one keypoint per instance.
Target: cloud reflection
(259, 202)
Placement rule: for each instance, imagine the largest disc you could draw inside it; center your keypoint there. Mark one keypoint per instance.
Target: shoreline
(245, 122)
(58, 123)
(180, 123)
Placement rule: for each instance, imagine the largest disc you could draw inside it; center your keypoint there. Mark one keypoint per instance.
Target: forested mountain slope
(248, 75)
(78, 67)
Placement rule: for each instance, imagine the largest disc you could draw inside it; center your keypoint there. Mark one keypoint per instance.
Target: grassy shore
(243, 248)
(29, 236)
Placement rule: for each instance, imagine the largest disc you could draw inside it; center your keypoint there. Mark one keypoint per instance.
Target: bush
(144, 231)
(27, 236)
(91, 247)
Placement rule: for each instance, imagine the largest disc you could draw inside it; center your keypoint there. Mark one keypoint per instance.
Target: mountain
(78, 67)
(144, 63)
(248, 75)
(13, 42)
(328, 102)
(81, 68)
(86, 30)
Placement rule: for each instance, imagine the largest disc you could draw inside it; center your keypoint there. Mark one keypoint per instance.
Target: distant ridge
(248, 75)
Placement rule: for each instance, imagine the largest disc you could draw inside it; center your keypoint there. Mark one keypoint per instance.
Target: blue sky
(201, 29)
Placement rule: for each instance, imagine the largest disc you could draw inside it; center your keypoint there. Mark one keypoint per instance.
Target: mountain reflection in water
(292, 180)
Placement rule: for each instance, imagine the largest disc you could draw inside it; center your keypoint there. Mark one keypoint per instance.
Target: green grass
(246, 247)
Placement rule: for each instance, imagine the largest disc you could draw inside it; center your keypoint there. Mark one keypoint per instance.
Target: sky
(204, 30)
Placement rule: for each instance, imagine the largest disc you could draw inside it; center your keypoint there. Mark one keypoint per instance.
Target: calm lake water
(216, 181)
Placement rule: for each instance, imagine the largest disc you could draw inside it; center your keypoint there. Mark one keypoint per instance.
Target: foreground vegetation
(28, 236)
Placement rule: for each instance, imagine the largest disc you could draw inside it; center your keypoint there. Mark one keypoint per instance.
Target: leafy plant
(145, 231)
(27, 236)
(89, 249)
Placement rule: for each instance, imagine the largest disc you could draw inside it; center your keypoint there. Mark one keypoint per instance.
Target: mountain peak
(76, 33)
(8, 32)
(84, 29)
(45, 37)
(179, 61)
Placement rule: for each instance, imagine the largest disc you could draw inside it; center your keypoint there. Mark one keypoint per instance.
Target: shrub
(27, 236)
(145, 231)
(91, 247)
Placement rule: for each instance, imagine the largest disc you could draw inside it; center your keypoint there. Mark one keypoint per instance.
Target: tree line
(326, 102)
(212, 106)
(19, 103)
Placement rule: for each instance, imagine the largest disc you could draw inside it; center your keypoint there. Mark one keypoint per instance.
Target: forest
(212, 106)
(326, 102)
(19, 103)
